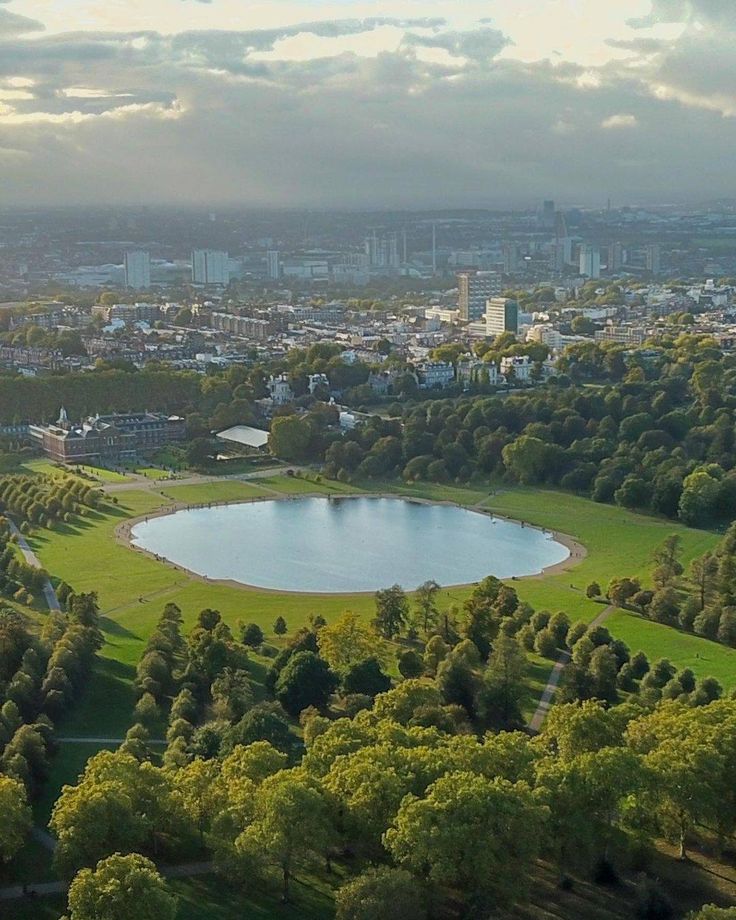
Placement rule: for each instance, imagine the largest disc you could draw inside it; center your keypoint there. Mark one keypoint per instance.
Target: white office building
(137, 270)
(273, 259)
(590, 261)
(210, 266)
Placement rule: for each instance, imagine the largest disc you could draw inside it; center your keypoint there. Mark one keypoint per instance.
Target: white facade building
(590, 261)
(280, 390)
(517, 367)
(137, 270)
(210, 266)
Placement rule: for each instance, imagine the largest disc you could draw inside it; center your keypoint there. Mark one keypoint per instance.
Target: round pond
(346, 544)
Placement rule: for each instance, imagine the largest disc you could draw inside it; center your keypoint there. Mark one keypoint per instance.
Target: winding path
(52, 601)
(545, 701)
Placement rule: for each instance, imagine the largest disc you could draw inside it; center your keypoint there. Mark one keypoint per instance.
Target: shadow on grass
(113, 628)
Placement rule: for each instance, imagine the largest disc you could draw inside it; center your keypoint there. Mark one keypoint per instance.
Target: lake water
(346, 544)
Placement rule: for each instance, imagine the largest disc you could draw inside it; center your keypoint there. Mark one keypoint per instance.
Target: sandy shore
(123, 536)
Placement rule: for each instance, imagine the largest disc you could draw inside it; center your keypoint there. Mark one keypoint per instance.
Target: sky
(356, 104)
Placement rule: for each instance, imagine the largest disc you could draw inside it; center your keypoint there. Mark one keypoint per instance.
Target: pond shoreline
(123, 535)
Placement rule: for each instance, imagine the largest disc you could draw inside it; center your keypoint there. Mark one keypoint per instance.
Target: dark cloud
(716, 12)
(13, 24)
(198, 116)
(477, 45)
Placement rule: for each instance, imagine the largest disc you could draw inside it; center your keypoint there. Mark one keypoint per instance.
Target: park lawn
(705, 658)
(230, 490)
(296, 485)
(431, 491)
(210, 897)
(152, 472)
(65, 768)
(619, 543)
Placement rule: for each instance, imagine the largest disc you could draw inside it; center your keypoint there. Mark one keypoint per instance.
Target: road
(143, 482)
(545, 701)
(52, 601)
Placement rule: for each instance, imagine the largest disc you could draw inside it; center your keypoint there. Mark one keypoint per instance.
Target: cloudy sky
(350, 103)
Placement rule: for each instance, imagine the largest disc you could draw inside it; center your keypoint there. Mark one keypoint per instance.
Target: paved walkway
(143, 482)
(44, 889)
(545, 701)
(52, 601)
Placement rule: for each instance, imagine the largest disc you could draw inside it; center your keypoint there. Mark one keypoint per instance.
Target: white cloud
(615, 122)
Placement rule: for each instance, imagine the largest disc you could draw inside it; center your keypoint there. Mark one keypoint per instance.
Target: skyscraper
(474, 289)
(653, 258)
(590, 261)
(274, 264)
(137, 270)
(210, 266)
(502, 315)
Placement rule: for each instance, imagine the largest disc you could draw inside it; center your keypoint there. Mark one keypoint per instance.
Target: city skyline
(365, 105)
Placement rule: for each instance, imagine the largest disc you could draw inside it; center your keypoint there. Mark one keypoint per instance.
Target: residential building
(273, 259)
(471, 371)
(474, 290)
(137, 270)
(545, 334)
(590, 261)
(623, 335)
(246, 326)
(652, 255)
(502, 315)
(280, 390)
(318, 381)
(436, 375)
(517, 367)
(210, 266)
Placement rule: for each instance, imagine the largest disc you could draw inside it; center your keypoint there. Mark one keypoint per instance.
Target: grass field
(706, 658)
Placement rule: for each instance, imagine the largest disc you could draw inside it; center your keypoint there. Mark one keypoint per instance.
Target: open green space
(296, 485)
(705, 658)
(229, 490)
(618, 543)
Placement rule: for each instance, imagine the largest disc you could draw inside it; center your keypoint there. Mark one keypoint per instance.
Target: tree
(199, 792)
(366, 677)
(620, 590)
(305, 681)
(279, 626)
(711, 912)
(411, 664)
(252, 635)
(503, 684)
(290, 438)
(379, 893)
(475, 835)
(703, 573)
(121, 887)
(593, 590)
(15, 817)
(290, 824)
(392, 609)
(425, 606)
(348, 642)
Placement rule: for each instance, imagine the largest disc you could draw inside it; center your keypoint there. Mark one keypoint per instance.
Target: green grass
(153, 472)
(295, 485)
(226, 491)
(618, 542)
(66, 766)
(211, 898)
(705, 658)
